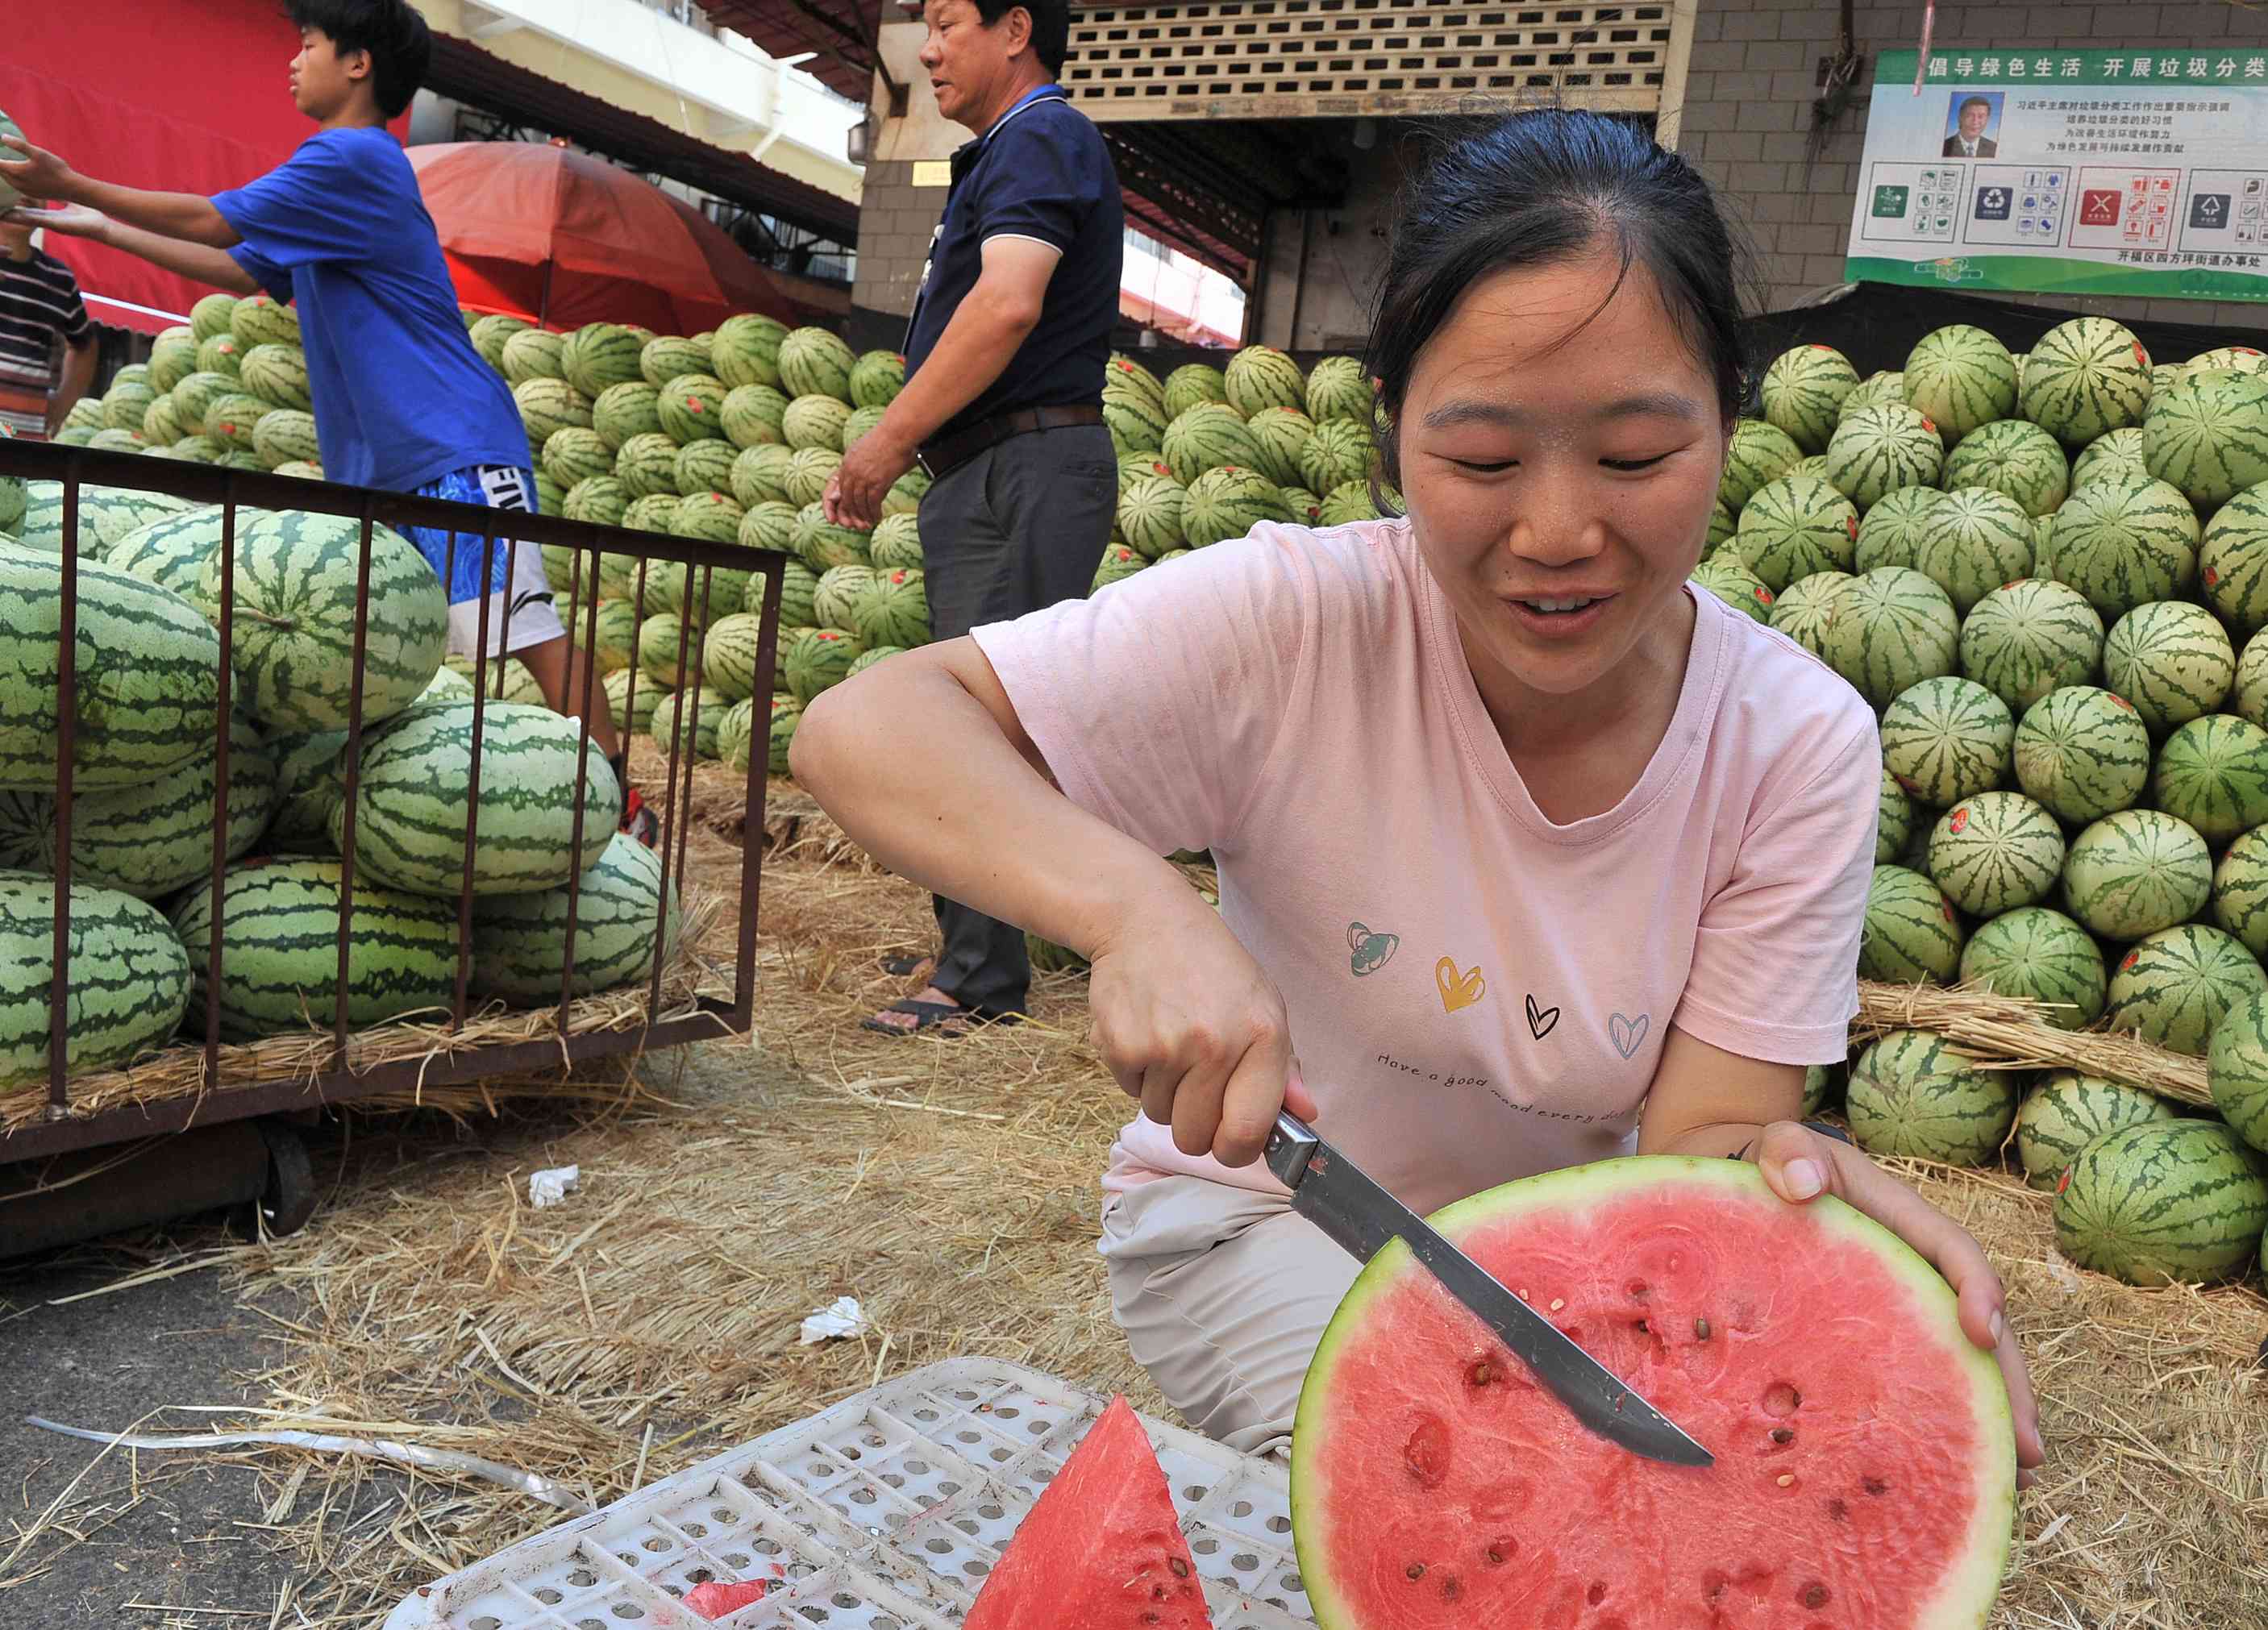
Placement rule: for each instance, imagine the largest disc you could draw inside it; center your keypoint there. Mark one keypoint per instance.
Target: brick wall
(1748, 113)
(896, 218)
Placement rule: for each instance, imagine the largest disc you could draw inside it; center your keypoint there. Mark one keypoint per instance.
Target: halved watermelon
(1102, 1548)
(1866, 1463)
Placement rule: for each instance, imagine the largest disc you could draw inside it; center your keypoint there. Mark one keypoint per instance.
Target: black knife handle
(1291, 1145)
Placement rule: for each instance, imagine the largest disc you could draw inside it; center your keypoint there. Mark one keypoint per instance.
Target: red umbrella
(565, 240)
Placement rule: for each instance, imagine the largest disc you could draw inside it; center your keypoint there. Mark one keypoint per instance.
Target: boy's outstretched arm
(188, 218)
(216, 267)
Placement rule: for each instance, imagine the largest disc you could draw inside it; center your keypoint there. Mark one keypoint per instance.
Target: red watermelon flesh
(1864, 1475)
(1102, 1549)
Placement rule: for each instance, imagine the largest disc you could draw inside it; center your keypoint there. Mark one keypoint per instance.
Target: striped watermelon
(279, 931)
(295, 584)
(1878, 450)
(840, 590)
(599, 499)
(1803, 393)
(2240, 891)
(1914, 1096)
(1352, 501)
(412, 806)
(1805, 609)
(574, 454)
(709, 517)
(894, 611)
(692, 408)
(172, 551)
(706, 466)
(2019, 461)
(1893, 629)
(623, 411)
(1282, 435)
(1150, 515)
(2236, 1069)
(824, 544)
(1911, 933)
(2233, 560)
(598, 356)
(161, 426)
(1724, 577)
(2213, 772)
(877, 376)
(1228, 502)
(2068, 1111)
(1897, 819)
(195, 394)
(2236, 358)
(2172, 660)
(520, 941)
(310, 779)
(728, 656)
(155, 838)
(2179, 1201)
(617, 639)
(210, 316)
(754, 415)
(1892, 533)
(2123, 543)
(1794, 526)
(1339, 451)
(2025, 638)
(221, 355)
(1948, 740)
(128, 979)
(2042, 956)
(2086, 377)
(2247, 699)
(1193, 383)
(1757, 453)
(897, 542)
(546, 406)
(809, 469)
(1961, 377)
(2116, 452)
(259, 319)
(1995, 852)
(823, 659)
(746, 350)
(905, 494)
(2208, 436)
(1973, 540)
(1207, 438)
(1260, 376)
(2174, 987)
(632, 708)
(646, 465)
(1889, 387)
(172, 358)
(1337, 391)
(760, 475)
(287, 436)
(509, 680)
(1136, 420)
(106, 514)
(1132, 467)
(1723, 525)
(2132, 874)
(277, 374)
(687, 721)
(786, 710)
(814, 362)
(736, 734)
(147, 676)
(534, 354)
(673, 357)
(815, 422)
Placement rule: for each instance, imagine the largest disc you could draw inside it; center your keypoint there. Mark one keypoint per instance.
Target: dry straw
(951, 1186)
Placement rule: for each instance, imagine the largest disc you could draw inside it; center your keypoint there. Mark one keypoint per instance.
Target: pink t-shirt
(1476, 993)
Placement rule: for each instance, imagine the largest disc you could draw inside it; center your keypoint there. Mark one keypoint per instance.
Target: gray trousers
(1019, 527)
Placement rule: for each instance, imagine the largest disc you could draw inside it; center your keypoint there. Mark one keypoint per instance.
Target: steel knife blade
(1333, 1193)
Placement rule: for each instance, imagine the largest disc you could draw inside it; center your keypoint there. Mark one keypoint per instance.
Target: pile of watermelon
(228, 387)
(147, 683)
(2048, 574)
(727, 437)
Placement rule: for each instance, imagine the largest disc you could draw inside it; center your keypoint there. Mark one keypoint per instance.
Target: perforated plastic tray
(884, 1512)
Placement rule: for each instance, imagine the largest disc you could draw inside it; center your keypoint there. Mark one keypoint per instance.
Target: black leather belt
(958, 449)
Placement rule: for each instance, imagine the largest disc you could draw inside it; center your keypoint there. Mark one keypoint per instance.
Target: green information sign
(2140, 173)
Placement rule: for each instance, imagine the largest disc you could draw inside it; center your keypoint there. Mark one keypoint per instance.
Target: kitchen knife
(1330, 1192)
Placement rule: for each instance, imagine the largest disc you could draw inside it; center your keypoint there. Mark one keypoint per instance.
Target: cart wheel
(290, 1199)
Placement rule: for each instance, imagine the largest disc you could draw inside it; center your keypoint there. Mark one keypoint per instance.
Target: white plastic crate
(884, 1512)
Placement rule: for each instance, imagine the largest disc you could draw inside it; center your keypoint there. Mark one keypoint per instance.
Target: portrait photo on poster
(1972, 124)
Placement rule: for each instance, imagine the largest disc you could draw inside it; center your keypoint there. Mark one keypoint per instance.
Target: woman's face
(1559, 461)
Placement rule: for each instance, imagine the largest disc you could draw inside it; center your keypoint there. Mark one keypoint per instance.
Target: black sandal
(903, 966)
(933, 1014)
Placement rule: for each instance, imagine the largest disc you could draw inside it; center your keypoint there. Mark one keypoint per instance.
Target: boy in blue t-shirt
(402, 401)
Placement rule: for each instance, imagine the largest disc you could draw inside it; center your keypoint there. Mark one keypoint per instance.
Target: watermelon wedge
(1102, 1549)
(1864, 1475)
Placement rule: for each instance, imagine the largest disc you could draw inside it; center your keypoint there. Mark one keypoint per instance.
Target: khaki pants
(1223, 1293)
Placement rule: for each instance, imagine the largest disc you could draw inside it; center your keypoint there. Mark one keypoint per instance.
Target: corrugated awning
(462, 70)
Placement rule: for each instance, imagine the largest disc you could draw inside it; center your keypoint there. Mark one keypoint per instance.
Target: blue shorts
(520, 611)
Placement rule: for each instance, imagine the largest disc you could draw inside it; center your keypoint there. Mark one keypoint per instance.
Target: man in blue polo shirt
(402, 401)
(1003, 403)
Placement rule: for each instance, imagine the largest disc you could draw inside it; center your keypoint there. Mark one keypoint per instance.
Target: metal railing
(64, 1129)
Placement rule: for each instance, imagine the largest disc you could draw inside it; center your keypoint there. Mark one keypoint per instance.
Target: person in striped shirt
(40, 305)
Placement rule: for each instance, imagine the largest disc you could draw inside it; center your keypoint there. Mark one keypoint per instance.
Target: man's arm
(979, 341)
(189, 217)
(79, 357)
(205, 265)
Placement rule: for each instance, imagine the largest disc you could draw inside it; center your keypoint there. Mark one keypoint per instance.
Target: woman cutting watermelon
(1530, 855)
